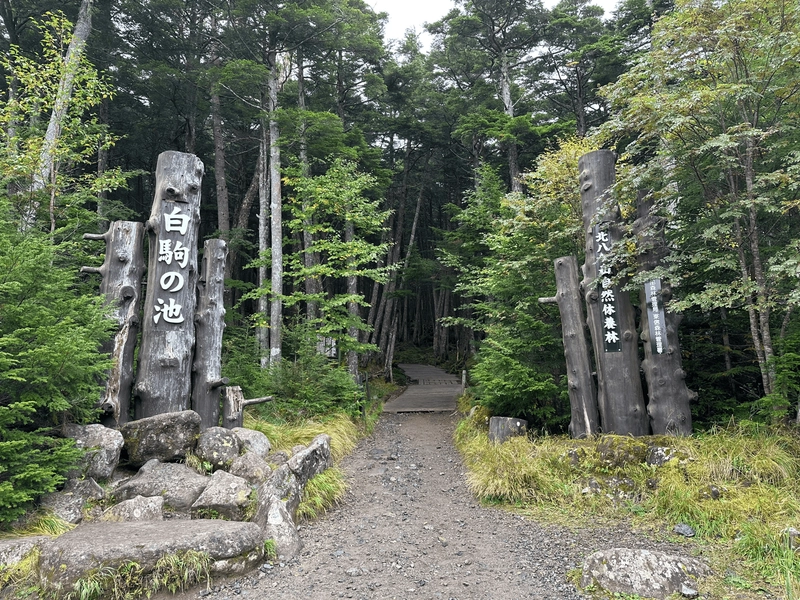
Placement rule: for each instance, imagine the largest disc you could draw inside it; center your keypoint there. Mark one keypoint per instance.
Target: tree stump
(668, 396)
(121, 286)
(234, 405)
(610, 314)
(502, 428)
(164, 377)
(209, 325)
(585, 420)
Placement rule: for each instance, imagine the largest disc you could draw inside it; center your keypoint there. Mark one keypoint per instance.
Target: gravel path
(409, 528)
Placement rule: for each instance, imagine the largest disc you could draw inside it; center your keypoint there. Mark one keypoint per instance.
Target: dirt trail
(409, 528)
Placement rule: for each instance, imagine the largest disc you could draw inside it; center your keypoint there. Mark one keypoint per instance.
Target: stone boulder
(252, 467)
(645, 573)
(217, 446)
(14, 550)
(313, 460)
(279, 526)
(278, 458)
(102, 447)
(252, 441)
(68, 504)
(136, 509)
(166, 437)
(233, 546)
(226, 496)
(283, 485)
(178, 484)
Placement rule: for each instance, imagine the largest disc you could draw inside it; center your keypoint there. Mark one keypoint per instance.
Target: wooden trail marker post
(610, 314)
(121, 285)
(164, 378)
(207, 380)
(585, 420)
(668, 396)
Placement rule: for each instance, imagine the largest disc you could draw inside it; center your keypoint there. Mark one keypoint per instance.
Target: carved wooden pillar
(209, 325)
(668, 396)
(610, 315)
(580, 383)
(164, 378)
(121, 285)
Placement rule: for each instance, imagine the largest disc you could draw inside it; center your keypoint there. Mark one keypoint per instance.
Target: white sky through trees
(413, 14)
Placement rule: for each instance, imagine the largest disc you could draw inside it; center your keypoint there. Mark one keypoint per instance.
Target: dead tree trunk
(610, 314)
(585, 421)
(122, 273)
(164, 378)
(209, 325)
(235, 404)
(668, 396)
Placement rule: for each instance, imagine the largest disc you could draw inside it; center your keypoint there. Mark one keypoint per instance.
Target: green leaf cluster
(50, 365)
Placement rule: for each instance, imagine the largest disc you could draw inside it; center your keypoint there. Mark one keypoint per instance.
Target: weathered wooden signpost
(668, 396)
(207, 380)
(584, 420)
(179, 365)
(121, 285)
(610, 314)
(164, 378)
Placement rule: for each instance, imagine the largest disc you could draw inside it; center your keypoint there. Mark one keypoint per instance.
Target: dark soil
(409, 528)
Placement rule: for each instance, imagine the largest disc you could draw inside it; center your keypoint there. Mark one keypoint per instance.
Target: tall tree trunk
(508, 107)
(311, 259)
(102, 165)
(220, 179)
(352, 305)
(276, 217)
(45, 171)
(262, 332)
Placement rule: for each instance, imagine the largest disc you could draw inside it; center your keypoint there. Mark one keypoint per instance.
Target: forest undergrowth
(737, 487)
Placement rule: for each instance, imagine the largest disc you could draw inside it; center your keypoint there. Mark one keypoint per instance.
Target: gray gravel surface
(409, 528)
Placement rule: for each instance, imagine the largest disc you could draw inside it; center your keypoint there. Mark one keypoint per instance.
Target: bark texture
(121, 285)
(668, 396)
(209, 325)
(164, 378)
(585, 420)
(619, 396)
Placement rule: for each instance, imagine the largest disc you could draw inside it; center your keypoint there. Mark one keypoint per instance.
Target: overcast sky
(407, 14)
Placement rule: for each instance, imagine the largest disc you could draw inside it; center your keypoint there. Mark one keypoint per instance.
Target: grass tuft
(284, 436)
(39, 523)
(322, 493)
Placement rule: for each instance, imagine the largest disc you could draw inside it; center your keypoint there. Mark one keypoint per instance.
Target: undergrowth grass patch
(737, 486)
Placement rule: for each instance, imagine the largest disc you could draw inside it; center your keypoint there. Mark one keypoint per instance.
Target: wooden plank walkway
(430, 389)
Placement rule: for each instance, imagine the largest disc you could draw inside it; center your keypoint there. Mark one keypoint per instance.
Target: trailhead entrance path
(430, 389)
(409, 528)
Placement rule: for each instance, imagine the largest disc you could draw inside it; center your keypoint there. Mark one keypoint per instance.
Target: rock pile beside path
(138, 516)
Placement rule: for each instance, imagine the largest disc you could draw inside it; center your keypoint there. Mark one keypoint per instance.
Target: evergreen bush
(50, 365)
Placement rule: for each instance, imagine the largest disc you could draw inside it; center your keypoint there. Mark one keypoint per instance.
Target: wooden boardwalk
(430, 389)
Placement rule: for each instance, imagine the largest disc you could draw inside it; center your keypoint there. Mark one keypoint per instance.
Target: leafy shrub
(511, 381)
(304, 384)
(50, 366)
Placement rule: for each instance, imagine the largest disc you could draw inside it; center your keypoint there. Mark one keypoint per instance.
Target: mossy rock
(618, 451)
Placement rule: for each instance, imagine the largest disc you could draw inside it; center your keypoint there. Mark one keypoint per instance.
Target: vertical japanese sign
(608, 291)
(656, 320)
(164, 376)
(174, 255)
